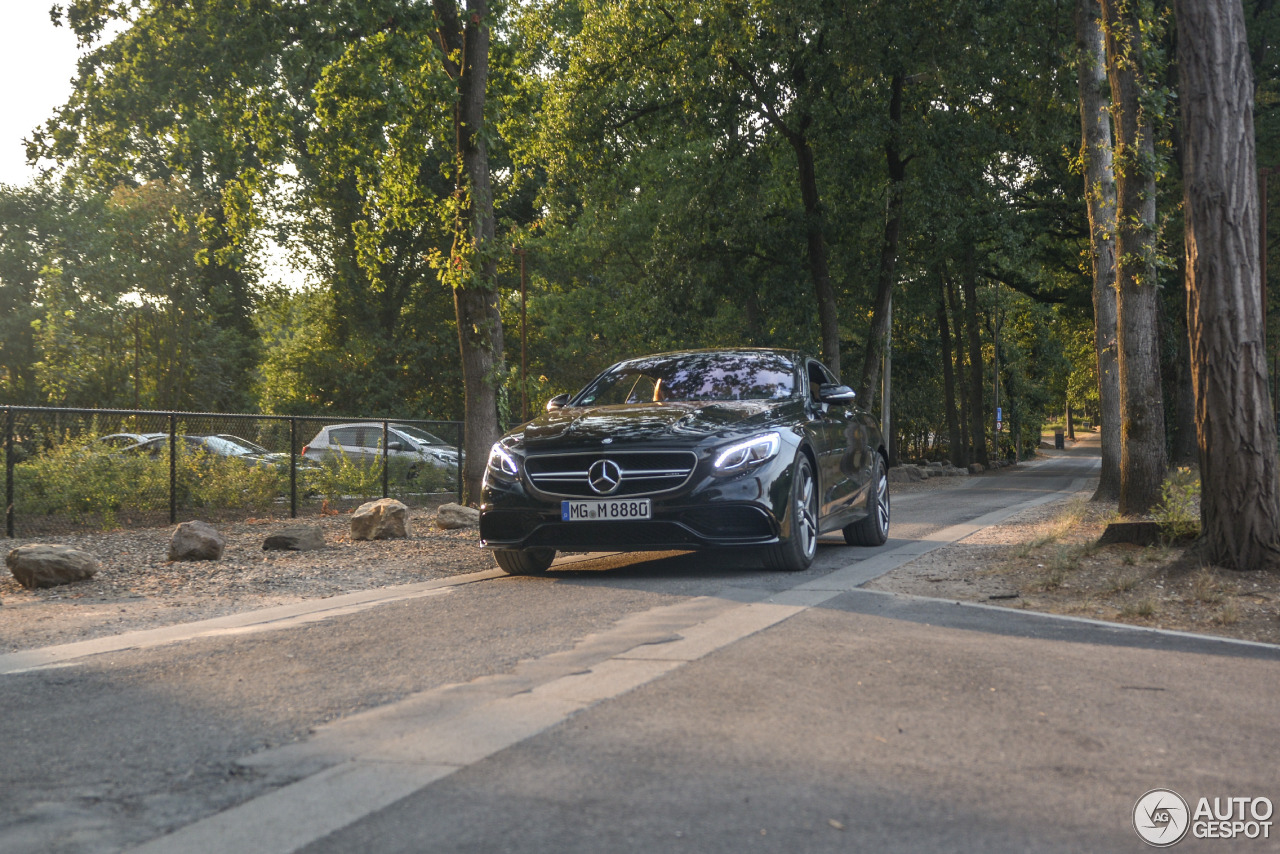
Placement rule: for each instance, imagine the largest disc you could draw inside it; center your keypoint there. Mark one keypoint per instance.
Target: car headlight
(501, 460)
(750, 453)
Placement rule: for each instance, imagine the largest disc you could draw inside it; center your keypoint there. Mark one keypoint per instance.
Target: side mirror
(557, 402)
(832, 393)
(395, 446)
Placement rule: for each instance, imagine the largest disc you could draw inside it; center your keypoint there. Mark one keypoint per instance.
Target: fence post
(8, 471)
(293, 468)
(384, 460)
(459, 478)
(173, 468)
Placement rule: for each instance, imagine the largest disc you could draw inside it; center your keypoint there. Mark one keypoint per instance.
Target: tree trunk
(1185, 450)
(1142, 435)
(473, 266)
(969, 284)
(1239, 497)
(948, 378)
(1100, 198)
(888, 248)
(823, 293)
(960, 457)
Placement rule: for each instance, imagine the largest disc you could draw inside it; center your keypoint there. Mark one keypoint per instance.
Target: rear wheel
(874, 529)
(797, 553)
(524, 561)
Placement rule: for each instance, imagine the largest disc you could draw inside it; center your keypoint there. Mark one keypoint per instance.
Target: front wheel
(874, 529)
(524, 561)
(796, 554)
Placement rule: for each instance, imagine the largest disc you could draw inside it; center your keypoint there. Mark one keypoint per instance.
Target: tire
(796, 554)
(874, 529)
(524, 561)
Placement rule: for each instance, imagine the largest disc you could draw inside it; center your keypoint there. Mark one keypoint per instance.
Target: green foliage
(644, 154)
(78, 478)
(340, 477)
(1178, 512)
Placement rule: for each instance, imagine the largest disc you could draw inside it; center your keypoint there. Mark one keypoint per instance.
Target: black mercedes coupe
(690, 450)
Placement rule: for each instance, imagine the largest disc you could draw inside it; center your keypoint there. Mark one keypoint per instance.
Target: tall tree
(1240, 496)
(473, 262)
(1142, 439)
(1100, 200)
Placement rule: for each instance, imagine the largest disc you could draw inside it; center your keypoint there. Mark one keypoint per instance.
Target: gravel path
(139, 588)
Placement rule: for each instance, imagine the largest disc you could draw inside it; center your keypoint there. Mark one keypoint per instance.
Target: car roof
(794, 356)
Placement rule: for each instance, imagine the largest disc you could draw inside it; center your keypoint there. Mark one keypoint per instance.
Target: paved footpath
(643, 703)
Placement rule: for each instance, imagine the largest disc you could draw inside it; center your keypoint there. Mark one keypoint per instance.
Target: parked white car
(363, 442)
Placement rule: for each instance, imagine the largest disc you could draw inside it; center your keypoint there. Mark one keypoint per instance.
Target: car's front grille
(638, 472)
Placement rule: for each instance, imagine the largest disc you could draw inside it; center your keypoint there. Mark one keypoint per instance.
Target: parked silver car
(363, 442)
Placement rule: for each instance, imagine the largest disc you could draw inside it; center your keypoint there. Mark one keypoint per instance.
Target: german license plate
(592, 511)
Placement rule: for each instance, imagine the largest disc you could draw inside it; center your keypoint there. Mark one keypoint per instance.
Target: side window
(346, 437)
(370, 436)
(817, 376)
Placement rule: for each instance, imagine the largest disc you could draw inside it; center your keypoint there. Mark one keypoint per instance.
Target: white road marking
(264, 619)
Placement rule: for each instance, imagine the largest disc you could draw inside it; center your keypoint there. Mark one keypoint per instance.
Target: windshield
(693, 377)
(420, 435)
(232, 446)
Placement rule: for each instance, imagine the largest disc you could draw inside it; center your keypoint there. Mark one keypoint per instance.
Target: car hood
(684, 422)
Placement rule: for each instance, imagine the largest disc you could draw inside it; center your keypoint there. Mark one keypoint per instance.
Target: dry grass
(1050, 558)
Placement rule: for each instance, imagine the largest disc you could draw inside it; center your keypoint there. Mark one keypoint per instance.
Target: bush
(340, 476)
(1178, 512)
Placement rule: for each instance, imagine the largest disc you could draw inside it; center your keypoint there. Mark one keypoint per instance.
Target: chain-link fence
(68, 469)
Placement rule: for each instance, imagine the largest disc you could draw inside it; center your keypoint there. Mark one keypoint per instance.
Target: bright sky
(37, 62)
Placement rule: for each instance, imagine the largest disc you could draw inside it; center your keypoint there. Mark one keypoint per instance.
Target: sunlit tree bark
(1239, 500)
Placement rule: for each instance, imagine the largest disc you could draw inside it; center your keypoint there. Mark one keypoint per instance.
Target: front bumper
(711, 512)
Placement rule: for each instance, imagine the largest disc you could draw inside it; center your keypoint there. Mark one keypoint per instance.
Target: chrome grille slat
(643, 472)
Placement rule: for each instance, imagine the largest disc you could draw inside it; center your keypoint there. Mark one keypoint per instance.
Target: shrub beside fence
(102, 468)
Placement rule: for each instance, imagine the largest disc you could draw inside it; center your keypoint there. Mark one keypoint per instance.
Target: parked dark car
(127, 442)
(223, 445)
(689, 450)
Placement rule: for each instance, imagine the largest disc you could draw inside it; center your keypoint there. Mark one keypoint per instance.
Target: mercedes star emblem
(604, 476)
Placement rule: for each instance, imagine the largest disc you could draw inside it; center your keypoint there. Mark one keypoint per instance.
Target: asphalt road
(644, 703)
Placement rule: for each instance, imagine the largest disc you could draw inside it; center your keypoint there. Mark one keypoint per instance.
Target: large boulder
(451, 516)
(47, 565)
(384, 519)
(976, 468)
(906, 474)
(196, 541)
(296, 538)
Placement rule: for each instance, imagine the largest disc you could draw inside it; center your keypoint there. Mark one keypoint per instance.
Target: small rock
(384, 519)
(46, 565)
(976, 468)
(196, 541)
(298, 538)
(451, 516)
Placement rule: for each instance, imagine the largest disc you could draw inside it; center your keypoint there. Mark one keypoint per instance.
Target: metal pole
(384, 460)
(173, 468)
(459, 447)
(8, 471)
(293, 468)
